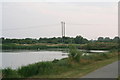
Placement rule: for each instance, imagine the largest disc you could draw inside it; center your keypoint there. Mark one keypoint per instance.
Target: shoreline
(62, 66)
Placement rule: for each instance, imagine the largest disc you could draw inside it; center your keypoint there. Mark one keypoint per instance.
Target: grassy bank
(88, 46)
(74, 66)
(79, 70)
(31, 46)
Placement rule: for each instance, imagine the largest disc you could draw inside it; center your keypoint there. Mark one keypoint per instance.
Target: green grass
(10, 73)
(94, 46)
(64, 68)
(34, 69)
(118, 77)
(0, 73)
(85, 66)
(13, 46)
(78, 71)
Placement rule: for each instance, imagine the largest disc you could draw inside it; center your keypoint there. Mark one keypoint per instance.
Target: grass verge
(80, 70)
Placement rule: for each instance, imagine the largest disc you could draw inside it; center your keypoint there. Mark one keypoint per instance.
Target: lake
(20, 58)
(15, 59)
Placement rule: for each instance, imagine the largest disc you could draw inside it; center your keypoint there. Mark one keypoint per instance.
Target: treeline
(57, 40)
(107, 39)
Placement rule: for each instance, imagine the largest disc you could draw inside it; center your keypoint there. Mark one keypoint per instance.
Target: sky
(43, 19)
(59, 0)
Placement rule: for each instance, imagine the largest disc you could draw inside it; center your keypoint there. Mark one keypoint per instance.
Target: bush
(74, 54)
(63, 63)
(27, 71)
(9, 73)
(55, 61)
(34, 69)
(104, 55)
(45, 68)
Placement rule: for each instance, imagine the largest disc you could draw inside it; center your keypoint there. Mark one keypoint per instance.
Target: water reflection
(17, 59)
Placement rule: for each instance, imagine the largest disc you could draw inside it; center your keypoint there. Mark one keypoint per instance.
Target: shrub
(34, 69)
(45, 68)
(105, 55)
(74, 54)
(55, 61)
(9, 73)
(27, 71)
(63, 63)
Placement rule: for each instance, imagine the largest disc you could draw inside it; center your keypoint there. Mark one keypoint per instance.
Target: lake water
(17, 59)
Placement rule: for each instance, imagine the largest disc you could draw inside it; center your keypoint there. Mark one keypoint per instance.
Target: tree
(88, 47)
(100, 39)
(78, 40)
(107, 39)
(116, 39)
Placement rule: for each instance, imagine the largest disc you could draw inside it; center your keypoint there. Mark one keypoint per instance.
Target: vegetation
(58, 40)
(75, 62)
(118, 77)
(75, 65)
(9, 73)
(88, 46)
(54, 40)
(74, 54)
(31, 46)
(46, 43)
